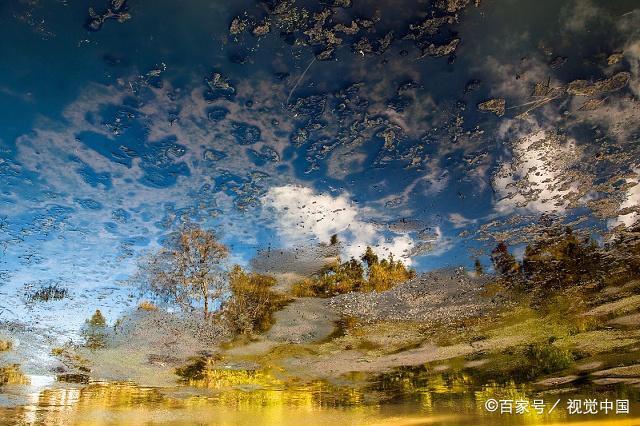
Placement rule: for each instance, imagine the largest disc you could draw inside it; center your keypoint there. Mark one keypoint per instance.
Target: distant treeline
(560, 259)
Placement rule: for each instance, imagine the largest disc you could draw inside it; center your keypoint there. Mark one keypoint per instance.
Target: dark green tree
(478, 267)
(369, 257)
(503, 262)
(561, 259)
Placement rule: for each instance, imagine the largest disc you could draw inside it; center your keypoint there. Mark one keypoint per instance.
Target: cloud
(552, 164)
(629, 25)
(303, 216)
(459, 221)
(631, 201)
(577, 15)
(632, 54)
(538, 177)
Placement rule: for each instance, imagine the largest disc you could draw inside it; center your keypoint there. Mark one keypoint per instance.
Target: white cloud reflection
(303, 215)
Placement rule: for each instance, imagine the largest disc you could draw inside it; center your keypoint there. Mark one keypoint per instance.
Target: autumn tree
(94, 331)
(554, 262)
(367, 274)
(188, 270)
(561, 259)
(504, 263)
(252, 302)
(369, 257)
(334, 278)
(384, 274)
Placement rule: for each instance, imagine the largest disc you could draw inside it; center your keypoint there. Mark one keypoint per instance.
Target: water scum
(343, 212)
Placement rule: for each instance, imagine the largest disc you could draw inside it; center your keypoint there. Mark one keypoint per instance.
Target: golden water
(238, 398)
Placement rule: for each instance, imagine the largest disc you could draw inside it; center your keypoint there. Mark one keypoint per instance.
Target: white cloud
(459, 221)
(538, 177)
(632, 200)
(303, 215)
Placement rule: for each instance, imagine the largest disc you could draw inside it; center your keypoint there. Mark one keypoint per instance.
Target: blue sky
(111, 139)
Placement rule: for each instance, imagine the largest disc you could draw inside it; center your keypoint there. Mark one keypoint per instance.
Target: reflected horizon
(369, 211)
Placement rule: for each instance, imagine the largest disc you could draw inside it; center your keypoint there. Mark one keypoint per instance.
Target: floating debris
(428, 27)
(217, 113)
(117, 10)
(245, 134)
(441, 50)
(219, 87)
(453, 6)
(352, 29)
(266, 154)
(261, 29)
(592, 104)
(363, 46)
(406, 225)
(557, 62)
(237, 26)
(585, 88)
(496, 106)
(614, 58)
(542, 93)
(317, 29)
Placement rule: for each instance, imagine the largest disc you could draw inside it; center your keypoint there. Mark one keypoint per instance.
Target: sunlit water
(445, 401)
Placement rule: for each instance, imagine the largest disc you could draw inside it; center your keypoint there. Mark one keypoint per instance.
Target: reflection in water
(241, 396)
(339, 147)
(125, 402)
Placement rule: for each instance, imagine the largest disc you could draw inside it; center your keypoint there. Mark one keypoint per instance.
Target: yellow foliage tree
(252, 302)
(369, 274)
(386, 274)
